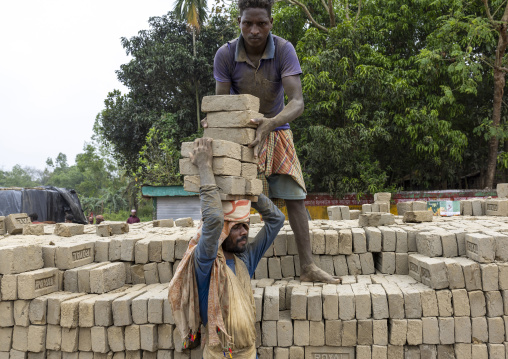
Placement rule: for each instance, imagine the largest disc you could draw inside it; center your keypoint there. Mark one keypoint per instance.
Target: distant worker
(34, 217)
(133, 218)
(90, 218)
(99, 219)
(69, 218)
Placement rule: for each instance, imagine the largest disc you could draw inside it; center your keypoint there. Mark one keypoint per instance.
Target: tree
(113, 201)
(69, 177)
(368, 122)
(61, 161)
(159, 157)
(194, 13)
(98, 173)
(472, 39)
(20, 177)
(160, 78)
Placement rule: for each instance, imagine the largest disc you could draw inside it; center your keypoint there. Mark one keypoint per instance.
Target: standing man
(133, 218)
(266, 66)
(212, 282)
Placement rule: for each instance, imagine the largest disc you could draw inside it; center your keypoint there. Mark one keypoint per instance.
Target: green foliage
(398, 94)
(393, 97)
(158, 160)
(467, 50)
(161, 79)
(288, 22)
(100, 184)
(97, 172)
(145, 213)
(91, 204)
(191, 11)
(21, 177)
(502, 160)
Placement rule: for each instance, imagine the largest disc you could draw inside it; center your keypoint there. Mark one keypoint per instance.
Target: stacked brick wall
(428, 290)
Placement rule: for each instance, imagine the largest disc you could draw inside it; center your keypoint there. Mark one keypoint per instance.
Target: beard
(233, 247)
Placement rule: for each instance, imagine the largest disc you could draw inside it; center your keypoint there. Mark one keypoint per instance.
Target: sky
(57, 64)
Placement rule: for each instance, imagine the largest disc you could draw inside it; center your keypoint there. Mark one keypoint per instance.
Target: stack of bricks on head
(410, 288)
(234, 164)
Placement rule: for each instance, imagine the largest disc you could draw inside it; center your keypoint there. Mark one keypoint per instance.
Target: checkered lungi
(278, 156)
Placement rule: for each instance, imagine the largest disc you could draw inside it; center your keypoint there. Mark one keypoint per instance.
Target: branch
(309, 16)
(358, 12)
(505, 15)
(504, 69)
(331, 13)
(498, 8)
(486, 62)
(347, 10)
(487, 9)
(324, 5)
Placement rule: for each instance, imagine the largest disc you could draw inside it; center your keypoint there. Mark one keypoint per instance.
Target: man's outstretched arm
(274, 220)
(293, 89)
(222, 88)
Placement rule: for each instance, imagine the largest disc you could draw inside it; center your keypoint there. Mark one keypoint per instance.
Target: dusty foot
(312, 273)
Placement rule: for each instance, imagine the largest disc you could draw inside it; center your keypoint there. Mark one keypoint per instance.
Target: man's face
(237, 239)
(255, 25)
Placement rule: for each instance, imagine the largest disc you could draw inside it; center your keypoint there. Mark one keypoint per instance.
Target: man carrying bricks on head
(266, 66)
(212, 282)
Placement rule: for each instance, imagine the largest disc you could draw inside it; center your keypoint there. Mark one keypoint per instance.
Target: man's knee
(294, 203)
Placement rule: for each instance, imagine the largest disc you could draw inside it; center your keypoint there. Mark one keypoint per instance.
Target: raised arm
(211, 208)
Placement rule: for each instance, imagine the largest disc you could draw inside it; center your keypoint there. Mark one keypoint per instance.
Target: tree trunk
(499, 82)
(196, 85)
(505, 172)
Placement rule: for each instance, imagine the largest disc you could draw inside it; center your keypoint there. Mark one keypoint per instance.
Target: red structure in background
(325, 199)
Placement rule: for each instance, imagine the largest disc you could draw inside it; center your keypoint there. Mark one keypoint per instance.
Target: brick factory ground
(430, 290)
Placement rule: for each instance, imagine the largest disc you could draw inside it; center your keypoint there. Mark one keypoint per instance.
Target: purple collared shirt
(279, 60)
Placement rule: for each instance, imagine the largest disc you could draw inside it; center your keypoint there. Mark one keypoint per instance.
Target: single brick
(242, 136)
(222, 103)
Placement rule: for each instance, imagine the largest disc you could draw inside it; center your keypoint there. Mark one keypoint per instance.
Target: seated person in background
(99, 219)
(90, 218)
(133, 218)
(212, 283)
(69, 218)
(34, 217)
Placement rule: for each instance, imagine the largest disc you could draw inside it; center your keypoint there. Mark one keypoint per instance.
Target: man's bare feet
(312, 273)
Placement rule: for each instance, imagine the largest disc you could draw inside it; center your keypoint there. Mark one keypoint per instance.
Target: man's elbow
(301, 106)
(214, 219)
(280, 218)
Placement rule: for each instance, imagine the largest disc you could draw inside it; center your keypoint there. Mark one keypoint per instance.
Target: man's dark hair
(33, 216)
(262, 4)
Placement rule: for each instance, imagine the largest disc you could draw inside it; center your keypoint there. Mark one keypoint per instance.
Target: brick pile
(411, 206)
(410, 290)
(381, 203)
(470, 207)
(338, 213)
(234, 165)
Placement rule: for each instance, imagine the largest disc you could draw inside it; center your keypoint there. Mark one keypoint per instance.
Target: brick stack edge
(234, 165)
(410, 290)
